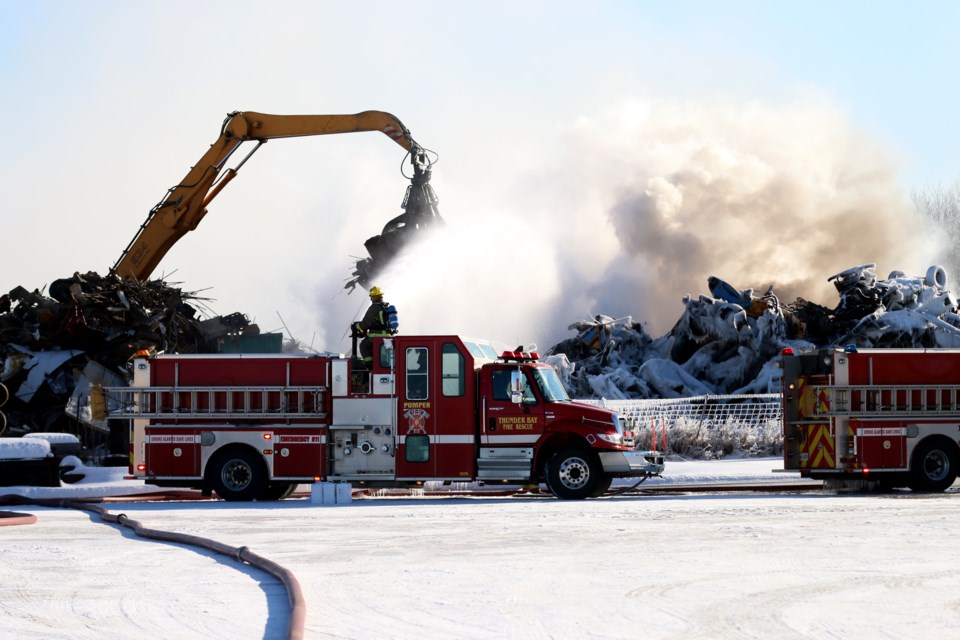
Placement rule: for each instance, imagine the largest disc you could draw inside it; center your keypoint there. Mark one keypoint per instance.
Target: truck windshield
(550, 386)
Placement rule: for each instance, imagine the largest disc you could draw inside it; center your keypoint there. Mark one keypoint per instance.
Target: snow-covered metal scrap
(727, 342)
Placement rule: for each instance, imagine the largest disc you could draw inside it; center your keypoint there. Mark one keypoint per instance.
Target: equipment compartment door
(299, 455)
(882, 445)
(172, 454)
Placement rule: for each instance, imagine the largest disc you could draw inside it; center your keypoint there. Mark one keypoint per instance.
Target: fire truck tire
(934, 466)
(602, 486)
(277, 491)
(238, 474)
(573, 474)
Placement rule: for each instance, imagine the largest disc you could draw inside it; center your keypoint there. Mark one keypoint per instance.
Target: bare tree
(941, 205)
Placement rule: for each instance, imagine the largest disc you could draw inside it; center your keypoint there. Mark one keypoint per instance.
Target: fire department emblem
(416, 420)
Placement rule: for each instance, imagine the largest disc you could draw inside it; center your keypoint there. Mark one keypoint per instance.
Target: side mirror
(516, 387)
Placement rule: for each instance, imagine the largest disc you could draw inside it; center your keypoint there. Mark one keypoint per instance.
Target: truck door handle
(493, 425)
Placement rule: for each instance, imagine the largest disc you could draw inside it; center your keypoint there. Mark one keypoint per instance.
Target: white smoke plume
(647, 200)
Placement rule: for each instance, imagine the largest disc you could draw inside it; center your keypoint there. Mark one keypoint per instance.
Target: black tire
(933, 467)
(602, 486)
(277, 491)
(573, 473)
(238, 475)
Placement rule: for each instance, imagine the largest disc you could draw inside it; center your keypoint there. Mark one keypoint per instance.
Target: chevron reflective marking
(819, 447)
(392, 131)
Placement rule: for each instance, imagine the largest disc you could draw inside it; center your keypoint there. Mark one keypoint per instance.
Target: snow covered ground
(692, 565)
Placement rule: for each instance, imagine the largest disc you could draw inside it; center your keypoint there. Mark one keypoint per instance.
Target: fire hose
(298, 606)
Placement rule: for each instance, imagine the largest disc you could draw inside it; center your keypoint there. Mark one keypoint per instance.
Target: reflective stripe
(523, 439)
(452, 439)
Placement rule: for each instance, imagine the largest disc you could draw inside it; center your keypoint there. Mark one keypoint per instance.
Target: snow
(24, 448)
(655, 565)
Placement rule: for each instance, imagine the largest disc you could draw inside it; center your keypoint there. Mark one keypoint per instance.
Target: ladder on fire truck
(886, 400)
(216, 402)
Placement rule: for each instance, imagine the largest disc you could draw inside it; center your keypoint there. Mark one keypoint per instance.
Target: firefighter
(374, 323)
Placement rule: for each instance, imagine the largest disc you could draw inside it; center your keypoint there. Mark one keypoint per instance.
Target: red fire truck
(431, 408)
(883, 418)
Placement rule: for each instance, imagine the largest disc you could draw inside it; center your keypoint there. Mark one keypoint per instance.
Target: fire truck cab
(431, 408)
(873, 417)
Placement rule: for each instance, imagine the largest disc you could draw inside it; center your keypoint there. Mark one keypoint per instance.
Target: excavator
(185, 205)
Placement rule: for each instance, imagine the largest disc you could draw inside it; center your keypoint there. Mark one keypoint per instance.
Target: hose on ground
(10, 518)
(298, 606)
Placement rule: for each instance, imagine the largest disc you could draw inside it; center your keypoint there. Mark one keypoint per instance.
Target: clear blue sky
(107, 103)
(886, 63)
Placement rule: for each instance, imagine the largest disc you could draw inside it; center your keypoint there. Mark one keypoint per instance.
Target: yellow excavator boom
(185, 205)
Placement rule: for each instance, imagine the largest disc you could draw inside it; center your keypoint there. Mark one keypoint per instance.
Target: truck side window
(417, 388)
(452, 374)
(386, 357)
(500, 379)
(417, 448)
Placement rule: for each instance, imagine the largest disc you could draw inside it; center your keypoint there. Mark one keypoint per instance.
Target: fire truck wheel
(602, 486)
(277, 491)
(573, 474)
(238, 475)
(934, 466)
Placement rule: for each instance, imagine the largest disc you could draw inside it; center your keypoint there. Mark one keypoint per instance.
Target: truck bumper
(623, 464)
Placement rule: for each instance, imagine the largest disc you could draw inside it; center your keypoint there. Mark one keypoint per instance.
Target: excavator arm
(185, 205)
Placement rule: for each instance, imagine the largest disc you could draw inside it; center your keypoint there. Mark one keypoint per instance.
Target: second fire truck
(431, 408)
(883, 417)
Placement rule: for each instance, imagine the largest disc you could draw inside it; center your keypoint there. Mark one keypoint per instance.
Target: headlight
(612, 438)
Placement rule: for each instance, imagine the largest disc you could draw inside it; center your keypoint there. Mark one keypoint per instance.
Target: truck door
(506, 423)
(416, 422)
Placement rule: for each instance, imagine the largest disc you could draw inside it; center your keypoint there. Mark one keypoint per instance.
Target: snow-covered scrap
(727, 342)
(84, 331)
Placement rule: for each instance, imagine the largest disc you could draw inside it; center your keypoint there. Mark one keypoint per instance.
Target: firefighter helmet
(375, 292)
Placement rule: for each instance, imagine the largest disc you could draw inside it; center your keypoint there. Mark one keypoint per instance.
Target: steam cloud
(653, 197)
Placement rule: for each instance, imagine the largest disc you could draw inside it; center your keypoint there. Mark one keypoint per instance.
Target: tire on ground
(238, 474)
(602, 486)
(934, 465)
(278, 491)
(574, 473)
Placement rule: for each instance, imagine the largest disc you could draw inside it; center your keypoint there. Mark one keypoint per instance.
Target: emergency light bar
(519, 355)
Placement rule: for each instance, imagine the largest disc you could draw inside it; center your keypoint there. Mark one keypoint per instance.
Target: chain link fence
(704, 426)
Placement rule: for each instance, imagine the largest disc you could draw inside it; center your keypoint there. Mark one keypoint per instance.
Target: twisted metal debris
(84, 330)
(728, 342)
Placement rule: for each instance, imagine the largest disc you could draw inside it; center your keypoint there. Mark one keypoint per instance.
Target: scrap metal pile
(727, 342)
(84, 331)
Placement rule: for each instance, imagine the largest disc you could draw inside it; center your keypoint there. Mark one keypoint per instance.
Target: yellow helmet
(375, 292)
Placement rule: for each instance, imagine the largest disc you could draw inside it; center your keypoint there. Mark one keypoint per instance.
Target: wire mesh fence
(704, 426)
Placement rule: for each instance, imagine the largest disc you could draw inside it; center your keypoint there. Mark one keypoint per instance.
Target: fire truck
(873, 418)
(429, 408)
